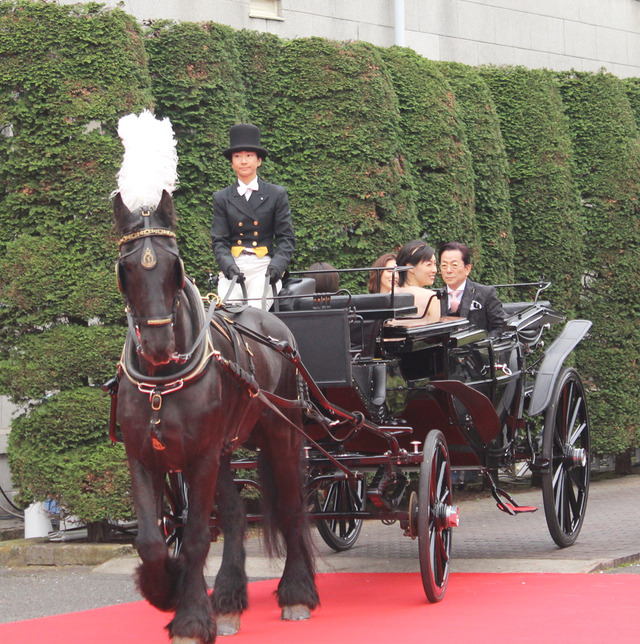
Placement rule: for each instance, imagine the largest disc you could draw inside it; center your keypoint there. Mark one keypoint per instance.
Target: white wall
(558, 34)
(6, 412)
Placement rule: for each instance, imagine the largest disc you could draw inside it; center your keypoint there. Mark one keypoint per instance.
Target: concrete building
(585, 35)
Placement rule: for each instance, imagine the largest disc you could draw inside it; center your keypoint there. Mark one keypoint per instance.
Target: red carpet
(495, 608)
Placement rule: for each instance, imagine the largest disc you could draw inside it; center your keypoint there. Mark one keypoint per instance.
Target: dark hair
(325, 282)
(375, 276)
(464, 250)
(413, 253)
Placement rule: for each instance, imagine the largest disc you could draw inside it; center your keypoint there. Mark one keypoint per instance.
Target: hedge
(544, 199)
(375, 146)
(335, 126)
(434, 143)
(58, 450)
(67, 75)
(196, 83)
(490, 173)
(607, 152)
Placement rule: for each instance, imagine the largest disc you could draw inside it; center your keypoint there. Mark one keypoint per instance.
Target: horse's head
(150, 275)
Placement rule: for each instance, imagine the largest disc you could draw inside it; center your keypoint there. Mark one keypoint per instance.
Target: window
(269, 9)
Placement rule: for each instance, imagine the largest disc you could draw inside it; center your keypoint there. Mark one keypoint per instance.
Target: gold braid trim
(146, 232)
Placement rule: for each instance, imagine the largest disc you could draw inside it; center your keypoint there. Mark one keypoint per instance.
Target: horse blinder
(120, 276)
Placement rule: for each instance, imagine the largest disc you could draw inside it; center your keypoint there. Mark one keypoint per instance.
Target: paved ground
(489, 540)
(486, 541)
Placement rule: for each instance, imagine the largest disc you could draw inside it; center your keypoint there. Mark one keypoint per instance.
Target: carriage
(382, 401)
(326, 379)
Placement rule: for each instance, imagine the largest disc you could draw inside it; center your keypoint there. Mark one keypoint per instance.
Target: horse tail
(272, 515)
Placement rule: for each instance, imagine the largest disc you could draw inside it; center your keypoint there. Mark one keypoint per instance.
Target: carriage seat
(454, 330)
(527, 319)
(369, 306)
(293, 289)
(513, 308)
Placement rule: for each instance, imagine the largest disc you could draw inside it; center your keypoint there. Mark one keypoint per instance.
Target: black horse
(190, 392)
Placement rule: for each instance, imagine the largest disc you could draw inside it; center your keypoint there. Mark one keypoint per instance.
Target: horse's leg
(194, 621)
(157, 577)
(297, 594)
(229, 597)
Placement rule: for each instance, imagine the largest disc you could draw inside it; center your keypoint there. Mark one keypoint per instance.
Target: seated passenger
(380, 281)
(476, 302)
(326, 282)
(420, 257)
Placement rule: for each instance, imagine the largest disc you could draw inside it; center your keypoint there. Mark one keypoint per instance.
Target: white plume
(150, 160)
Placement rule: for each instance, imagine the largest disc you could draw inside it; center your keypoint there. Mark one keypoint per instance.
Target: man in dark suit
(252, 233)
(476, 302)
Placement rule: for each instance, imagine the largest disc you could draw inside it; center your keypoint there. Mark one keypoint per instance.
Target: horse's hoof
(295, 613)
(228, 624)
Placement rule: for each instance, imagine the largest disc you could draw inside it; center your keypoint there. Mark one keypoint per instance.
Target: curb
(122, 558)
(11, 534)
(616, 563)
(40, 552)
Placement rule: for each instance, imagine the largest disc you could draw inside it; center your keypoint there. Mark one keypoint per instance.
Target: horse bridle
(148, 261)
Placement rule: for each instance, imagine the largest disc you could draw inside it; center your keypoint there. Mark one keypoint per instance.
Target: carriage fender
(480, 408)
(554, 358)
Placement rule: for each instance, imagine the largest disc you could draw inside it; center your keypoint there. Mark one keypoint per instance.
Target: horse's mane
(150, 160)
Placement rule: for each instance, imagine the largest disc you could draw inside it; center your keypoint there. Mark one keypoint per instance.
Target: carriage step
(505, 501)
(509, 505)
(519, 509)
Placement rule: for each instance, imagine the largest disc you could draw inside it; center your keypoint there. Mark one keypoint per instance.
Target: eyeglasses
(453, 266)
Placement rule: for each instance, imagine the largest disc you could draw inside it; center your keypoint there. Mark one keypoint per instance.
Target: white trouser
(254, 269)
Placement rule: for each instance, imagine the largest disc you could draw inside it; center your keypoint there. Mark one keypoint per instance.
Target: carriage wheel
(436, 516)
(175, 508)
(565, 446)
(339, 496)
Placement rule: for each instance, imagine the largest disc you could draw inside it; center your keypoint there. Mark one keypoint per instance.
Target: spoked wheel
(565, 446)
(175, 508)
(436, 516)
(340, 497)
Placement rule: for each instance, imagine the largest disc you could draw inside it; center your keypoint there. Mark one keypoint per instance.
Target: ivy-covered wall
(545, 206)
(336, 132)
(67, 75)
(434, 143)
(490, 174)
(607, 153)
(196, 82)
(538, 173)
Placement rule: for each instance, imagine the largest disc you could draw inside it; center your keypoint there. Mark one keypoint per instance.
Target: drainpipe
(398, 22)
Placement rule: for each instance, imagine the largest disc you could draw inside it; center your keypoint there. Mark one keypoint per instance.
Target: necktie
(455, 301)
(245, 189)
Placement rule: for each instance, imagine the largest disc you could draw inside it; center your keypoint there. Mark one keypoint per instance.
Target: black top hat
(245, 136)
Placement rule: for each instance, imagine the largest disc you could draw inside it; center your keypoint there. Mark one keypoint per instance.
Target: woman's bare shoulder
(418, 291)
